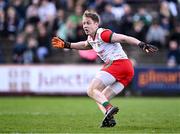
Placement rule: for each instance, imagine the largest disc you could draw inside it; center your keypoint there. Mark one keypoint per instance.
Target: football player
(117, 71)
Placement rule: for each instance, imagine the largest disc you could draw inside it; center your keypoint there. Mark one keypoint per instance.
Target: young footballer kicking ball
(117, 71)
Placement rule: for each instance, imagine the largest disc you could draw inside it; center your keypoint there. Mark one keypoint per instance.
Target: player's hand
(60, 43)
(57, 42)
(147, 47)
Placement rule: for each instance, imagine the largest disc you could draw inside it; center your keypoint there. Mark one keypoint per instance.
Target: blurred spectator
(3, 4)
(61, 4)
(176, 33)
(178, 9)
(30, 55)
(139, 30)
(142, 20)
(29, 30)
(173, 7)
(19, 49)
(66, 31)
(44, 43)
(97, 5)
(32, 12)
(12, 22)
(126, 22)
(70, 5)
(164, 9)
(20, 11)
(109, 23)
(165, 16)
(144, 16)
(66, 5)
(118, 9)
(46, 11)
(82, 3)
(76, 18)
(173, 57)
(59, 21)
(19, 7)
(165, 24)
(156, 34)
(80, 33)
(2, 24)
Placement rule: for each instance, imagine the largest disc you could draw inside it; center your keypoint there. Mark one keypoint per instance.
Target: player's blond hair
(93, 15)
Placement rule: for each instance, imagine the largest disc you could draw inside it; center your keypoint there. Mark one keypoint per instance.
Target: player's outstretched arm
(60, 43)
(133, 41)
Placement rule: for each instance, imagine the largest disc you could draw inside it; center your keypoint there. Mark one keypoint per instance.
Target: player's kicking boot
(109, 123)
(108, 120)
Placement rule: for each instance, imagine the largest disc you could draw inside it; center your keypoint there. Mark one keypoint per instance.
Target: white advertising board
(46, 78)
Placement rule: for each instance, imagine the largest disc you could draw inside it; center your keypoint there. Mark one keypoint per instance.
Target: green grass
(81, 115)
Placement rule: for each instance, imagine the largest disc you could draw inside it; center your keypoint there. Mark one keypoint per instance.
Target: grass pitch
(81, 115)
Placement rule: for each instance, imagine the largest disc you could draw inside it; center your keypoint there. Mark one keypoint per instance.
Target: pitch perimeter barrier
(157, 80)
(74, 79)
(46, 79)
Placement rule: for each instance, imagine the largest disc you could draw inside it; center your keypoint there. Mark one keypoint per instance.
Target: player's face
(89, 26)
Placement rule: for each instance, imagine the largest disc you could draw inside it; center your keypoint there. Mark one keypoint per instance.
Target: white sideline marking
(23, 113)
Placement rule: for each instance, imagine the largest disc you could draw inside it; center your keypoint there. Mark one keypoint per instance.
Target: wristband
(67, 45)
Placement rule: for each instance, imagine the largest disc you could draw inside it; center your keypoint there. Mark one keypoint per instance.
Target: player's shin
(113, 90)
(99, 97)
(103, 110)
(109, 93)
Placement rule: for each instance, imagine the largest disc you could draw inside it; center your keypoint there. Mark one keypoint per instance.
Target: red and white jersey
(102, 45)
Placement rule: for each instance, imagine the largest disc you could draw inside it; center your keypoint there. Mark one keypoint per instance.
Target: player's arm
(133, 41)
(109, 37)
(60, 43)
(82, 45)
(124, 39)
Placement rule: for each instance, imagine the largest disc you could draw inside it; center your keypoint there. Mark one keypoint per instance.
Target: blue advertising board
(157, 79)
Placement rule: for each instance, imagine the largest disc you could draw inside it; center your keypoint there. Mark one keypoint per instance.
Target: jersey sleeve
(106, 35)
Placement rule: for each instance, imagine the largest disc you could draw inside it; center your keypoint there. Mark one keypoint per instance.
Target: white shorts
(109, 80)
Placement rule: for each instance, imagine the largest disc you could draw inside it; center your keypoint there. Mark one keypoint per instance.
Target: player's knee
(90, 92)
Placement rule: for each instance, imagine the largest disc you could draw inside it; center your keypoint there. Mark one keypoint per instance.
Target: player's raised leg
(98, 84)
(95, 91)
(110, 92)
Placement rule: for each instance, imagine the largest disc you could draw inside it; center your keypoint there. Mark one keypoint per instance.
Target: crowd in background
(30, 25)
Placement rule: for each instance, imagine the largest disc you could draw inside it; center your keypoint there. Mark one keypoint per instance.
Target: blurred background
(29, 65)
